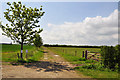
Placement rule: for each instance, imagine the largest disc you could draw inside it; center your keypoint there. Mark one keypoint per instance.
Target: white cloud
(91, 31)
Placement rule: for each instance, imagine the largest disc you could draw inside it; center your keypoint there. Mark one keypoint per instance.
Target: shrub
(38, 40)
(108, 56)
(117, 56)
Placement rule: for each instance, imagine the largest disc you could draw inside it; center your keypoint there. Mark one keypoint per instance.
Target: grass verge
(97, 73)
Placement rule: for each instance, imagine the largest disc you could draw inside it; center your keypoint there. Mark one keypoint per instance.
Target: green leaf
(8, 3)
(40, 8)
(19, 2)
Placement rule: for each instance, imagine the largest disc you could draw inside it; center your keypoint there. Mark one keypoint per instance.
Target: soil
(52, 66)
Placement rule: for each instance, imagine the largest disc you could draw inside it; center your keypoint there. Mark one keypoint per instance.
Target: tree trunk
(21, 43)
(22, 50)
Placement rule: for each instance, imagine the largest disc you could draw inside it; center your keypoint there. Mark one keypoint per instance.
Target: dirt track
(52, 66)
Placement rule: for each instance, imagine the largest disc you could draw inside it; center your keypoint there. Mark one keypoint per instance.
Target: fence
(91, 55)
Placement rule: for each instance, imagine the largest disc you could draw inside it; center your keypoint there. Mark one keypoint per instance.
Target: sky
(75, 23)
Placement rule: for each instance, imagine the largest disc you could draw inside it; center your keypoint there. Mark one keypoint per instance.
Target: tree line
(75, 46)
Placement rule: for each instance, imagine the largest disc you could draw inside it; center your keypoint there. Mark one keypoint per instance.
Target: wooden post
(75, 53)
(18, 55)
(83, 54)
(63, 50)
(86, 54)
(26, 55)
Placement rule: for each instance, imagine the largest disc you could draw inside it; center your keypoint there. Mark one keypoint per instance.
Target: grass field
(9, 53)
(69, 55)
(72, 54)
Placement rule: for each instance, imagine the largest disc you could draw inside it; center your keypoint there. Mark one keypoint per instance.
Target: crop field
(9, 52)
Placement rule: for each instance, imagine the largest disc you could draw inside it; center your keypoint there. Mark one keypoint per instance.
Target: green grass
(69, 53)
(9, 53)
(14, 47)
(37, 55)
(98, 73)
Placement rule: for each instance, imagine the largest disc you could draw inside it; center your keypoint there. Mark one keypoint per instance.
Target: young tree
(22, 23)
(37, 40)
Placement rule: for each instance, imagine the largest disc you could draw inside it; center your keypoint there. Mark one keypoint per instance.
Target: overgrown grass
(9, 53)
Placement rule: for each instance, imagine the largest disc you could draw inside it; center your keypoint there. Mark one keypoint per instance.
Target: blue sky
(59, 12)
(62, 14)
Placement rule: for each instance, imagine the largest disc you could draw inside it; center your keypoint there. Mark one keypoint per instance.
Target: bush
(38, 40)
(108, 56)
(117, 56)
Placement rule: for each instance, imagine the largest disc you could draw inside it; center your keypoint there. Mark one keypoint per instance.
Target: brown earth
(52, 66)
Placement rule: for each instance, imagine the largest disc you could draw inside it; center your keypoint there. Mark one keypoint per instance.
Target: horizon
(60, 44)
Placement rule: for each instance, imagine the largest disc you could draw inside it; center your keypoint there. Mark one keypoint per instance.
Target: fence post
(83, 54)
(86, 54)
(18, 55)
(75, 53)
(63, 50)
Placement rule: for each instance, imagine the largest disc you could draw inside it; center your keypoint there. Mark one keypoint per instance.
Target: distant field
(72, 54)
(9, 52)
